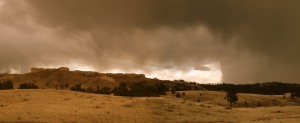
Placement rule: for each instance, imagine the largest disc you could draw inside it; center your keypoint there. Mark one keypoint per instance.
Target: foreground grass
(67, 106)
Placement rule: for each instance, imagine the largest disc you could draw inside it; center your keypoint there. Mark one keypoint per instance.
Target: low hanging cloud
(252, 40)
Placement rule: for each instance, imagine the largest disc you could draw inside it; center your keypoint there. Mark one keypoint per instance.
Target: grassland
(46, 105)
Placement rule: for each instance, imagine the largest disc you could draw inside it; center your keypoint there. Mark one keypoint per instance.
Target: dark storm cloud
(253, 40)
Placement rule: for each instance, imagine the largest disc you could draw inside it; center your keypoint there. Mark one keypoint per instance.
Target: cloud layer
(252, 40)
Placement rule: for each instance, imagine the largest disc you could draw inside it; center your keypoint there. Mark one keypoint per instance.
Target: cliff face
(35, 70)
(60, 77)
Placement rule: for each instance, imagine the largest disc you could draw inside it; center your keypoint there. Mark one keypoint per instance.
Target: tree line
(28, 86)
(267, 88)
(6, 85)
(136, 89)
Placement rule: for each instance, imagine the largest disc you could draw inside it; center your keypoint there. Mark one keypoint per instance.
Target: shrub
(178, 95)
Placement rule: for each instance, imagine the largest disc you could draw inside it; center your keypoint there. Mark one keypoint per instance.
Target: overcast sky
(237, 41)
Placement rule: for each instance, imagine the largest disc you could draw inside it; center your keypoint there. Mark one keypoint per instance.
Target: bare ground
(67, 106)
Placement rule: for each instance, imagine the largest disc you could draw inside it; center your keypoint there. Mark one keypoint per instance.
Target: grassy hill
(49, 105)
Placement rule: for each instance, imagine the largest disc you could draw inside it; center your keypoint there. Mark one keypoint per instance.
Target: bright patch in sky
(214, 75)
(81, 67)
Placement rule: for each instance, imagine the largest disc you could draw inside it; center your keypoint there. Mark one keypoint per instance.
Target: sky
(206, 41)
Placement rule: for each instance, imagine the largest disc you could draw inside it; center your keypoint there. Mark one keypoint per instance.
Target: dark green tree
(231, 97)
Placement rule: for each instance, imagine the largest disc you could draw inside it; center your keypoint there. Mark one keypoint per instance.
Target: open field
(67, 106)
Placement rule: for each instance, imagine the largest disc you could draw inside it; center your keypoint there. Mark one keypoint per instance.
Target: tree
(66, 85)
(293, 95)
(161, 88)
(231, 96)
(297, 94)
(196, 88)
(121, 90)
(173, 91)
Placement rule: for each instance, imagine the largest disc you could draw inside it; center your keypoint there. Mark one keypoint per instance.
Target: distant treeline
(267, 88)
(181, 85)
(136, 89)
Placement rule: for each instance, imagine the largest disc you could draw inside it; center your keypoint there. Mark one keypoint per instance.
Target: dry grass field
(67, 106)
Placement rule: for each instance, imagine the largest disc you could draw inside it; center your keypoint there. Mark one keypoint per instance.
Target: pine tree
(231, 97)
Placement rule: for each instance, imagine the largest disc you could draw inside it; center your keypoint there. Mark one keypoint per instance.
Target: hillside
(48, 105)
(58, 78)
